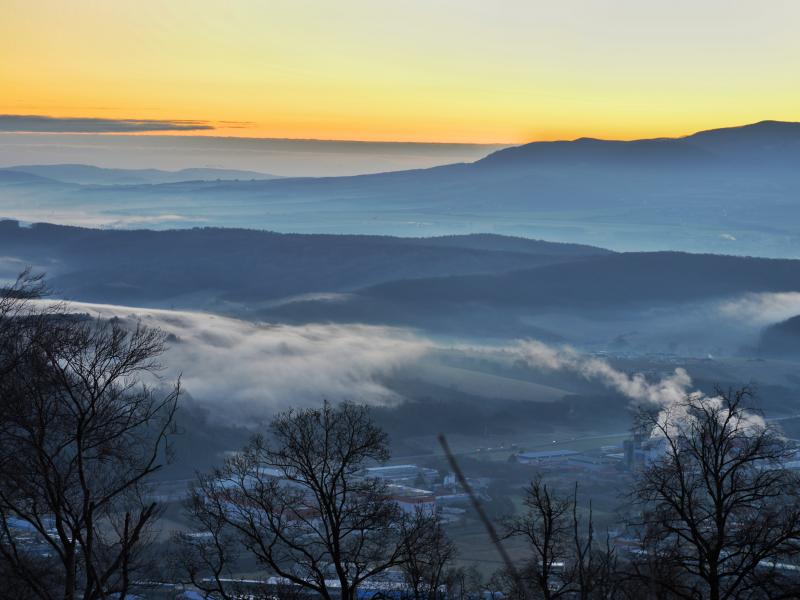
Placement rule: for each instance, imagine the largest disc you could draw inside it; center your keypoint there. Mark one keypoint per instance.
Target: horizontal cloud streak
(82, 218)
(293, 158)
(242, 371)
(47, 124)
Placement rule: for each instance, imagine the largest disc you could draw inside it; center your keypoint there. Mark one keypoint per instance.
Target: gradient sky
(504, 71)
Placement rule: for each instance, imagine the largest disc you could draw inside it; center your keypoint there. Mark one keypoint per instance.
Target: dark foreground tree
(545, 527)
(293, 500)
(80, 434)
(464, 583)
(427, 564)
(720, 513)
(15, 316)
(565, 561)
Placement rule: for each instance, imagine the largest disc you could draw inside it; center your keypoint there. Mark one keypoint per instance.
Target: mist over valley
(726, 191)
(519, 338)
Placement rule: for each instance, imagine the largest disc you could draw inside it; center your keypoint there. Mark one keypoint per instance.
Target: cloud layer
(46, 124)
(246, 371)
(242, 371)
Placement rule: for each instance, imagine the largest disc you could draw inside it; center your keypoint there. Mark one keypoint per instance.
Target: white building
(402, 474)
(413, 500)
(546, 456)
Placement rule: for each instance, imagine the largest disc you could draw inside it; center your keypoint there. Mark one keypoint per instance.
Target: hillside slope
(238, 264)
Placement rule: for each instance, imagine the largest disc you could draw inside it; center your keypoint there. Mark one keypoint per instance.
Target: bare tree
(464, 583)
(15, 316)
(719, 510)
(581, 568)
(546, 528)
(607, 578)
(14, 298)
(295, 503)
(80, 434)
(565, 560)
(205, 559)
(427, 562)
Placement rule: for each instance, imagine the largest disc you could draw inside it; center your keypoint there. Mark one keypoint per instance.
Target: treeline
(100, 265)
(86, 422)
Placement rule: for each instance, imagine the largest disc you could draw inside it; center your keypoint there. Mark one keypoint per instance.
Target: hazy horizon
(283, 157)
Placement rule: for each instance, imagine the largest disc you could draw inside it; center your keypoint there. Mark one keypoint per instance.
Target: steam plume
(672, 394)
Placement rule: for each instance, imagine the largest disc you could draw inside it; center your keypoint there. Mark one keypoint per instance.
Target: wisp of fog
(245, 371)
(250, 370)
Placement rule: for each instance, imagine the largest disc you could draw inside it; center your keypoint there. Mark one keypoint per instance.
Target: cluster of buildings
(629, 456)
(415, 488)
(28, 539)
(640, 452)
(407, 486)
(571, 462)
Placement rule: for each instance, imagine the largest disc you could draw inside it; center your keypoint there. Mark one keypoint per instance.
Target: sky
(460, 71)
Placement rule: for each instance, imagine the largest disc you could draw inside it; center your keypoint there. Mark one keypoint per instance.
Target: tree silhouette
(80, 434)
(719, 510)
(294, 501)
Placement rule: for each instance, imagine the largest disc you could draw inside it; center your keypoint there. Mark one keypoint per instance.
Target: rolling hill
(247, 265)
(633, 292)
(725, 191)
(781, 339)
(91, 175)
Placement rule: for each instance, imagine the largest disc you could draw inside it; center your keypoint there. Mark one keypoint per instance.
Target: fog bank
(242, 371)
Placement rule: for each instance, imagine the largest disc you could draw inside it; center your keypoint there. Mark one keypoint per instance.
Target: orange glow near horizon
(463, 71)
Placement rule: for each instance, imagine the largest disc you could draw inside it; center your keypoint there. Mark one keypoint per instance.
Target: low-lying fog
(253, 369)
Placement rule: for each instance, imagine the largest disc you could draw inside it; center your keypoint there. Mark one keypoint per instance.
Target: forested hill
(781, 339)
(146, 266)
(611, 280)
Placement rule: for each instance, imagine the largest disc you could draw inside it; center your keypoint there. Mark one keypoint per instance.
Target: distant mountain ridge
(92, 175)
(758, 141)
(724, 191)
(12, 177)
(596, 152)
